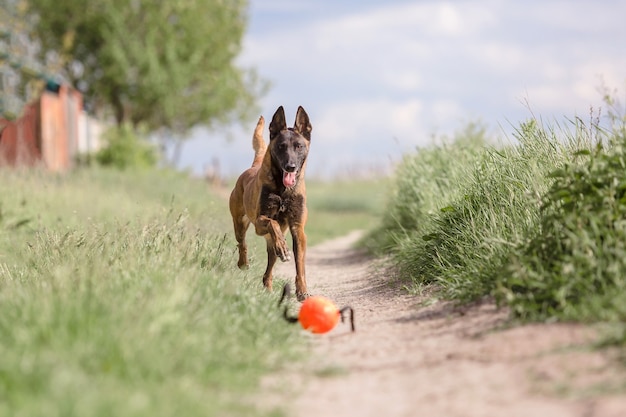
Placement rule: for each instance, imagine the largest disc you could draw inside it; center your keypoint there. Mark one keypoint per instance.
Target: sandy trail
(415, 356)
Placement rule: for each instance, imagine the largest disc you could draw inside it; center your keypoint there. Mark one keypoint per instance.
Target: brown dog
(271, 195)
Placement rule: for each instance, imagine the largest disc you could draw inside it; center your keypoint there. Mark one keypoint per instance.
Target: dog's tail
(258, 143)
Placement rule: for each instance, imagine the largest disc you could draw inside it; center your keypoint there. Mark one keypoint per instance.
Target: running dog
(271, 195)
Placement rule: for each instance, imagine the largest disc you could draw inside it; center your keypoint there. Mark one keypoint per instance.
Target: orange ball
(318, 314)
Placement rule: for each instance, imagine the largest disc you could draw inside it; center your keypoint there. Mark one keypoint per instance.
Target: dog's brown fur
(272, 196)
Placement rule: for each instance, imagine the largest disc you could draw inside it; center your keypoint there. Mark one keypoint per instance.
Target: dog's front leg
(266, 226)
(276, 245)
(271, 260)
(299, 252)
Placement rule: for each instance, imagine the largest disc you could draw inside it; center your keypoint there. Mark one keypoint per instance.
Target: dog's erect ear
(302, 124)
(278, 122)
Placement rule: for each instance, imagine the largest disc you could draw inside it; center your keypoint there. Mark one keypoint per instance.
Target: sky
(379, 79)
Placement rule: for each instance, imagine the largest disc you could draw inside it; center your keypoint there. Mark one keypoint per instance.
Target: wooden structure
(47, 133)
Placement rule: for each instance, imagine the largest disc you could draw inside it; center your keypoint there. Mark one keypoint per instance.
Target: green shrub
(539, 224)
(125, 149)
(575, 267)
(473, 235)
(462, 209)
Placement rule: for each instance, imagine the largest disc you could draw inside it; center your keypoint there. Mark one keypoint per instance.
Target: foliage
(469, 206)
(164, 64)
(22, 76)
(118, 296)
(575, 267)
(539, 224)
(126, 150)
(475, 234)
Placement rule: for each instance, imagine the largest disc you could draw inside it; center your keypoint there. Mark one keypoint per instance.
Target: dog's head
(290, 146)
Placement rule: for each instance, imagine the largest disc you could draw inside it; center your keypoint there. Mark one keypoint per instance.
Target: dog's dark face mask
(289, 147)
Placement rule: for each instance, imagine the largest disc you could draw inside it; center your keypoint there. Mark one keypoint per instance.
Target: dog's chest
(282, 207)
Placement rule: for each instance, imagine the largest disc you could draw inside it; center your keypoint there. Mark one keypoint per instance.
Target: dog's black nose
(290, 167)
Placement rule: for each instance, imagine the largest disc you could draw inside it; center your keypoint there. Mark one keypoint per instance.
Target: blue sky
(378, 79)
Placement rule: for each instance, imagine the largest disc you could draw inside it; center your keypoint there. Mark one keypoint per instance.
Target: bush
(475, 233)
(575, 267)
(539, 224)
(126, 150)
(460, 208)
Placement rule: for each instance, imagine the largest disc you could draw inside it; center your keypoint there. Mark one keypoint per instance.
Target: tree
(21, 76)
(163, 64)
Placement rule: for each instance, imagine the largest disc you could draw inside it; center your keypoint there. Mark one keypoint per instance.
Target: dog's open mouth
(289, 178)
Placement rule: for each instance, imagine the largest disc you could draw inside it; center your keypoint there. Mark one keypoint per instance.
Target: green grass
(118, 296)
(574, 268)
(537, 223)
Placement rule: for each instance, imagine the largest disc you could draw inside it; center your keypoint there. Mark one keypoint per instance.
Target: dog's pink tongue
(289, 179)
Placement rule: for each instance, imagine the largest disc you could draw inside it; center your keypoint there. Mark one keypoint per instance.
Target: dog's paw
(303, 296)
(284, 256)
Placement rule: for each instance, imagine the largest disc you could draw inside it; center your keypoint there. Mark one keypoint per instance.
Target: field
(119, 295)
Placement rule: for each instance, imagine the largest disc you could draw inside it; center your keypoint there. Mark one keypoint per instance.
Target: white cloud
(430, 18)
(368, 72)
(349, 121)
(443, 111)
(275, 6)
(499, 57)
(403, 79)
(388, 43)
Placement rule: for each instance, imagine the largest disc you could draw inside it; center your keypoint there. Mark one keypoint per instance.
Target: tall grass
(574, 268)
(536, 223)
(118, 296)
(468, 204)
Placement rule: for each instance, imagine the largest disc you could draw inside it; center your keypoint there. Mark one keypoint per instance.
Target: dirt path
(414, 356)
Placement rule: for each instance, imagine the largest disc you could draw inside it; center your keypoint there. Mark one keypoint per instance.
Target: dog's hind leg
(241, 226)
